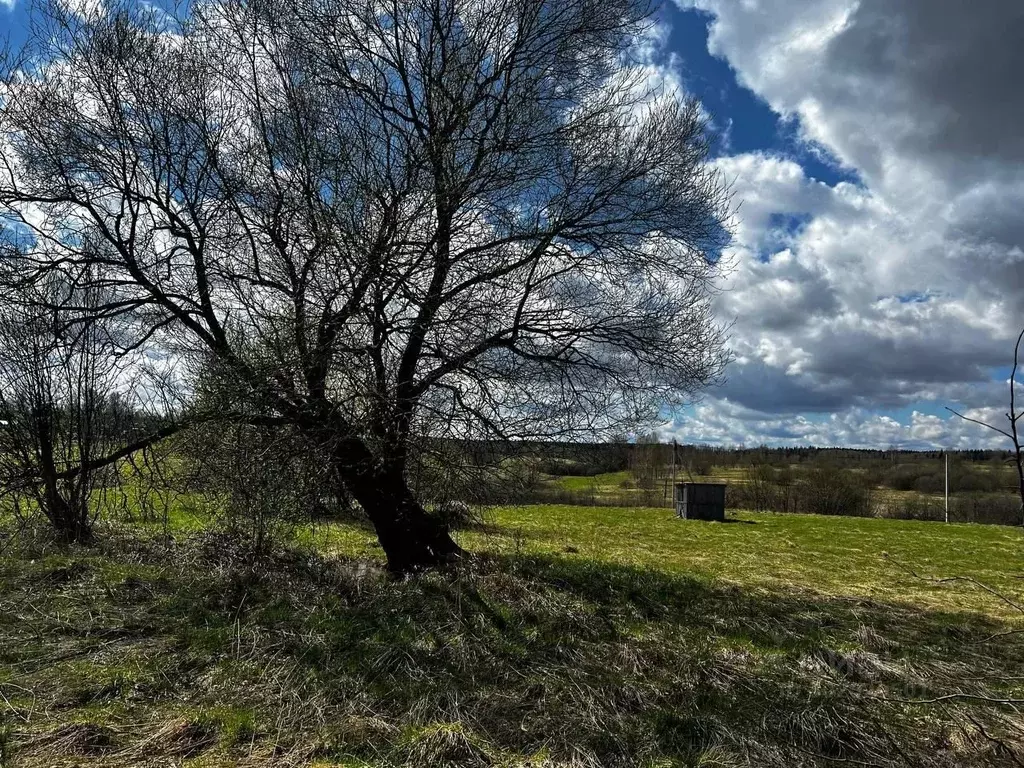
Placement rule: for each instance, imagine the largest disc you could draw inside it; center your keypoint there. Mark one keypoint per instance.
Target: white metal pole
(946, 454)
(673, 496)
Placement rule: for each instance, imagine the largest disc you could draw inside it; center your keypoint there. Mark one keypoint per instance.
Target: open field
(576, 636)
(850, 556)
(982, 491)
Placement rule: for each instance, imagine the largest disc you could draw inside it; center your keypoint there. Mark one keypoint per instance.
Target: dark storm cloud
(953, 68)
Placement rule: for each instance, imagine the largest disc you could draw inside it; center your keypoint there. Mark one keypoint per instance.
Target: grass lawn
(574, 637)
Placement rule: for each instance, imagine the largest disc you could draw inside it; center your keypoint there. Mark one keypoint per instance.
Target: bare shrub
(991, 508)
(649, 462)
(64, 404)
(260, 482)
(764, 490)
(831, 491)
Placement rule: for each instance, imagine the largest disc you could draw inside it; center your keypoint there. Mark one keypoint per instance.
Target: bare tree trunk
(412, 539)
(68, 516)
(70, 521)
(1018, 457)
(1013, 416)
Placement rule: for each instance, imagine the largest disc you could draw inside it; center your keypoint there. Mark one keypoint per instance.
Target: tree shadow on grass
(563, 656)
(625, 664)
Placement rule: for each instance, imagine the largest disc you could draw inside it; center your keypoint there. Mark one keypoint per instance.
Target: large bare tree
(377, 220)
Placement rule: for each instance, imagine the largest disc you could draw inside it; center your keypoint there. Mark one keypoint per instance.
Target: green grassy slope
(841, 556)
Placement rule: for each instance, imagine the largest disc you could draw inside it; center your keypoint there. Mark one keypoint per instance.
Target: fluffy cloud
(849, 306)
(908, 286)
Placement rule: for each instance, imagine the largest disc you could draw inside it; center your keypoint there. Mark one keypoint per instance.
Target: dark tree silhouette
(379, 221)
(1013, 415)
(61, 407)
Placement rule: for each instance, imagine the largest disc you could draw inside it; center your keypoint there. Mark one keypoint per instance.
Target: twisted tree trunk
(412, 539)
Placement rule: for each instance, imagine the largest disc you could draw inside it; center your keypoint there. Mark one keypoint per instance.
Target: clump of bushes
(820, 491)
(932, 479)
(903, 478)
(987, 508)
(767, 489)
(991, 508)
(257, 483)
(830, 491)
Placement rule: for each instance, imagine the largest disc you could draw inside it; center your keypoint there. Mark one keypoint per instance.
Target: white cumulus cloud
(908, 286)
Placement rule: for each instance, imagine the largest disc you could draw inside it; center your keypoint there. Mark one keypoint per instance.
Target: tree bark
(70, 523)
(412, 539)
(69, 520)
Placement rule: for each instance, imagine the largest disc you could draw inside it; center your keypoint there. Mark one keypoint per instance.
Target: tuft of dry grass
(73, 739)
(176, 738)
(446, 745)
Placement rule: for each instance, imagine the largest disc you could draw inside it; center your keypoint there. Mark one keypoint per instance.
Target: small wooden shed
(700, 501)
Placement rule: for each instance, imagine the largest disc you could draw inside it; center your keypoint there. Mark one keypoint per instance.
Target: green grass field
(849, 556)
(573, 637)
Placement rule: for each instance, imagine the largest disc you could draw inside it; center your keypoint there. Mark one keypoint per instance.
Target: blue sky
(12, 21)
(875, 151)
(877, 274)
(742, 121)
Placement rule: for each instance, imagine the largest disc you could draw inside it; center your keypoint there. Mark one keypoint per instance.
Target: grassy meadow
(982, 491)
(575, 636)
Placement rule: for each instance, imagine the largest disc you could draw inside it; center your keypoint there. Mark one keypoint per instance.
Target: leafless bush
(991, 508)
(649, 462)
(822, 491)
(763, 491)
(259, 483)
(910, 507)
(830, 491)
(62, 403)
